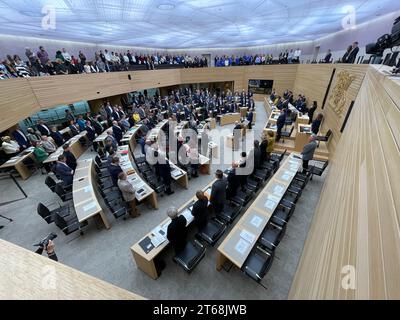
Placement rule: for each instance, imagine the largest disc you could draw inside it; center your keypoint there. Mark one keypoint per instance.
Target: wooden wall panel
(334, 119)
(356, 222)
(29, 276)
(17, 101)
(312, 80)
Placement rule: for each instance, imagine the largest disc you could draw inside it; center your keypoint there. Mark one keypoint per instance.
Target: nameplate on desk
(269, 204)
(242, 246)
(285, 177)
(89, 206)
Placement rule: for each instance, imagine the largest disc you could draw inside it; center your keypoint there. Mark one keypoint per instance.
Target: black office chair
(212, 232)
(258, 263)
(317, 169)
(190, 257)
(300, 181)
(102, 164)
(324, 138)
(292, 194)
(69, 226)
(102, 173)
(111, 195)
(62, 193)
(242, 197)
(51, 183)
(286, 134)
(271, 236)
(48, 215)
(282, 213)
(230, 211)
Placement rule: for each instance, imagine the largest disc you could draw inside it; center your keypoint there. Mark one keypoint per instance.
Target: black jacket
(115, 170)
(200, 213)
(71, 160)
(218, 191)
(177, 233)
(118, 133)
(233, 184)
(58, 138)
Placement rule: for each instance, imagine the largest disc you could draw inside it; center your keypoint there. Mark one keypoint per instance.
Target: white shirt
(107, 56)
(66, 56)
(297, 53)
(87, 68)
(10, 147)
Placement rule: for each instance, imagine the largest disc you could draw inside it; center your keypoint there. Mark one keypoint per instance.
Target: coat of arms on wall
(337, 99)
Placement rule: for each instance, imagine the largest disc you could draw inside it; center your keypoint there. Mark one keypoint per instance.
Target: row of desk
(238, 244)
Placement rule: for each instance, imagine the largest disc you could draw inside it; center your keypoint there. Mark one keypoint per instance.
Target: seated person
(57, 136)
(200, 210)
(115, 170)
(176, 233)
(48, 145)
(63, 171)
(10, 147)
(39, 152)
(81, 123)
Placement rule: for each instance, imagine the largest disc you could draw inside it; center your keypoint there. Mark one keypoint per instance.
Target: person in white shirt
(126, 59)
(66, 55)
(87, 68)
(192, 153)
(107, 55)
(290, 56)
(10, 147)
(296, 55)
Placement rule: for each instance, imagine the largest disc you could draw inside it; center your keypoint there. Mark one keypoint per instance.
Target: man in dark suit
(233, 182)
(114, 170)
(250, 116)
(73, 128)
(280, 122)
(98, 127)
(57, 136)
(315, 125)
(90, 131)
(163, 170)
(176, 232)
(109, 110)
(43, 128)
(115, 115)
(70, 158)
(63, 171)
(218, 192)
(117, 131)
(353, 53)
(21, 138)
(328, 56)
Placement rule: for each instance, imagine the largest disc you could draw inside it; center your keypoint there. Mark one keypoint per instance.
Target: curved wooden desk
(85, 194)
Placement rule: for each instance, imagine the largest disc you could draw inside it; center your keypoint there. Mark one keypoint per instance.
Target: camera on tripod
(387, 41)
(44, 242)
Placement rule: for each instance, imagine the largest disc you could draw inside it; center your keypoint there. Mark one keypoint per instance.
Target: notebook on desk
(146, 245)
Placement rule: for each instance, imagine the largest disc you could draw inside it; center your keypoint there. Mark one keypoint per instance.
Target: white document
(87, 189)
(256, 221)
(242, 246)
(273, 198)
(278, 190)
(157, 240)
(248, 236)
(89, 206)
(289, 173)
(176, 173)
(285, 177)
(188, 216)
(270, 204)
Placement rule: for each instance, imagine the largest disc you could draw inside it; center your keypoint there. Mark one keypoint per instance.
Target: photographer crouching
(48, 245)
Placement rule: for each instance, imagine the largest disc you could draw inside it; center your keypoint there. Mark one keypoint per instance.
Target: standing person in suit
(70, 158)
(110, 139)
(109, 110)
(57, 136)
(351, 58)
(163, 170)
(250, 116)
(69, 116)
(346, 54)
(97, 125)
(200, 210)
(233, 182)
(328, 56)
(115, 115)
(128, 193)
(43, 128)
(114, 169)
(63, 171)
(316, 123)
(280, 122)
(176, 232)
(311, 111)
(73, 128)
(218, 192)
(308, 152)
(21, 138)
(32, 135)
(117, 131)
(90, 131)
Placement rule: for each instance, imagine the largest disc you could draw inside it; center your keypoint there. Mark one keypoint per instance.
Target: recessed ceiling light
(166, 6)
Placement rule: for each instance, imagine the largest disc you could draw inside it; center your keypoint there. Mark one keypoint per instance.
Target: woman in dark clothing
(200, 210)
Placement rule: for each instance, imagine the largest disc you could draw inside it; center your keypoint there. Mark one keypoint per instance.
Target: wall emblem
(338, 97)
